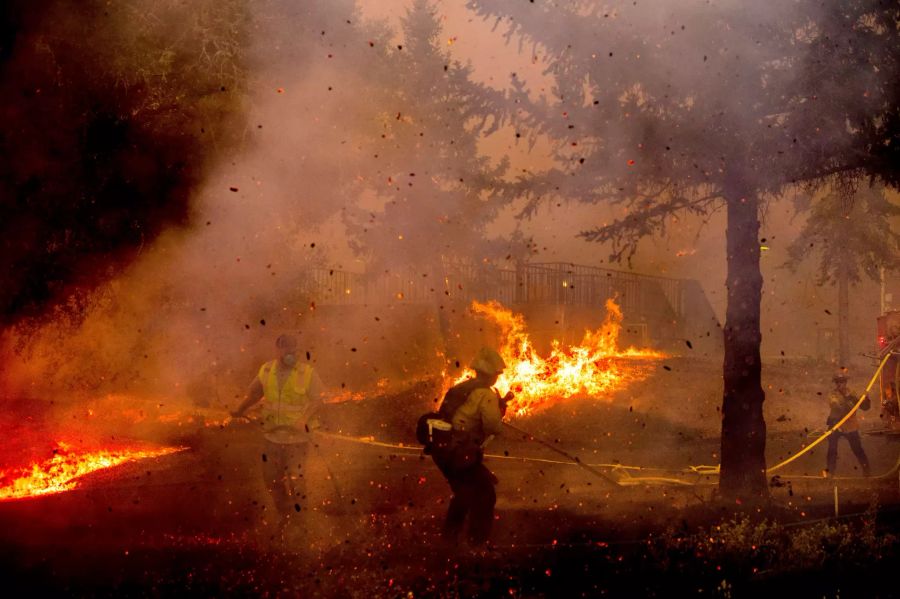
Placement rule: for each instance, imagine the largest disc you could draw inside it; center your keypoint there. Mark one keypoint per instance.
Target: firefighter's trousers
(473, 497)
(855, 445)
(283, 470)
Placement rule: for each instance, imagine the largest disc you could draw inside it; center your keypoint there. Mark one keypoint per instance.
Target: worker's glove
(504, 401)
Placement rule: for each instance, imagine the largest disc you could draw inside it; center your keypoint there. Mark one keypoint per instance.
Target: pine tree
(682, 108)
(436, 188)
(850, 234)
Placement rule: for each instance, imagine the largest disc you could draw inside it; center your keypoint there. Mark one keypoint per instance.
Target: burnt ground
(199, 521)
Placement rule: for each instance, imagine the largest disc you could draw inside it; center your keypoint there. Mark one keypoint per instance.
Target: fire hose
(701, 470)
(563, 453)
(315, 447)
(839, 423)
(628, 479)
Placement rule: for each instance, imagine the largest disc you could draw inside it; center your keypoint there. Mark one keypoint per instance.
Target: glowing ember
(346, 395)
(594, 367)
(60, 472)
(380, 388)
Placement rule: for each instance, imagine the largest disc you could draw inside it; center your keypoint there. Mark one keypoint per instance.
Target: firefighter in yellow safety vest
(292, 394)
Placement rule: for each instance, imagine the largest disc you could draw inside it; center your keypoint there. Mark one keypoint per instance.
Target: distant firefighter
(470, 414)
(841, 402)
(889, 406)
(293, 396)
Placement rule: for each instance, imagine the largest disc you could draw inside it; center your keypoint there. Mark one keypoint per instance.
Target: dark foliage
(109, 117)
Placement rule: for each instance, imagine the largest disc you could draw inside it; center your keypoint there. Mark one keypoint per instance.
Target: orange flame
(60, 472)
(594, 367)
(381, 386)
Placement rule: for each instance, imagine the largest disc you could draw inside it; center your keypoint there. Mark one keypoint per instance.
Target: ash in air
(624, 258)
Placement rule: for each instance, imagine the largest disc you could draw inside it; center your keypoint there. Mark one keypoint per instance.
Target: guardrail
(541, 283)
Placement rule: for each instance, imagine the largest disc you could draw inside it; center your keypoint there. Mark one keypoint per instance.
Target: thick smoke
(199, 307)
(166, 225)
(314, 137)
(695, 95)
(107, 140)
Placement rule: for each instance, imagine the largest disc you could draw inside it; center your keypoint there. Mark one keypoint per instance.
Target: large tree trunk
(843, 281)
(743, 462)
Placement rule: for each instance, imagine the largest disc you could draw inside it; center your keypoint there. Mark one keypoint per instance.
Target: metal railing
(542, 283)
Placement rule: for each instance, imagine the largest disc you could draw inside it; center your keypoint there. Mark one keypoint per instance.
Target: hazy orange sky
(689, 251)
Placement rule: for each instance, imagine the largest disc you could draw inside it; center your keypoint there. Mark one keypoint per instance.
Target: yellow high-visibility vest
(285, 406)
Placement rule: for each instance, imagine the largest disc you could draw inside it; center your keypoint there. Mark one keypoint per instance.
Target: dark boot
(455, 520)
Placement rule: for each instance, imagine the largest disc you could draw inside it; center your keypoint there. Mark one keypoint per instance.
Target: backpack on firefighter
(455, 450)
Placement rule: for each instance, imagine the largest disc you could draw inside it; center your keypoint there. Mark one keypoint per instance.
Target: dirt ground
(200, 521)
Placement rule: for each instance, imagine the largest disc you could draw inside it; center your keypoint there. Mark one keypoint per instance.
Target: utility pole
(843, 315)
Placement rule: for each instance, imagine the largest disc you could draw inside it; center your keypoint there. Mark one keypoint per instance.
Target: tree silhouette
(685, 108)
(436, 189)
(111, 115)
(851, 236)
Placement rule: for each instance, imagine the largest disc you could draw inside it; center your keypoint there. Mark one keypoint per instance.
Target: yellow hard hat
(488, 361)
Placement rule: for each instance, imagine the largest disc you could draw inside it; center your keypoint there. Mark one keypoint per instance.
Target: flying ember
(60, 473)
(595, 367)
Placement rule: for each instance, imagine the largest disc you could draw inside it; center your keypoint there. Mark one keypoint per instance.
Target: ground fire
(62, 471)
(594, 367)
(469, 298)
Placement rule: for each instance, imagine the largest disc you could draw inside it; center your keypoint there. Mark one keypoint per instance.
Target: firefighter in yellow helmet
(475, 411)
(292, 394)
